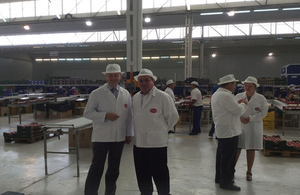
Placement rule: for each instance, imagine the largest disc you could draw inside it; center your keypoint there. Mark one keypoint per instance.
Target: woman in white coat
(251, 138)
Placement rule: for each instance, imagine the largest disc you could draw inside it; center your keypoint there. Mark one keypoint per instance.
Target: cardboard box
(3, 111)
(39, 114)
(53, 114)
(84, 136)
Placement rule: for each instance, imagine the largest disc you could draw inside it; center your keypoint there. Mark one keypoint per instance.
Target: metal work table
(67, 127)
(280, 106)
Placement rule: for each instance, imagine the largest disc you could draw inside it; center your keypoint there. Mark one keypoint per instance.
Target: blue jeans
(197, 118)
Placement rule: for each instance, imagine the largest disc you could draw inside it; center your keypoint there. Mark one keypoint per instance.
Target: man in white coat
(226, 113)
(170, 87)
(154, 113)
(110, 109)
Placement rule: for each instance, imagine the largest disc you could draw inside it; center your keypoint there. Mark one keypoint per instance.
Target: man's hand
(127, 139)
(243, 101)
(111, 116)
(245, 120)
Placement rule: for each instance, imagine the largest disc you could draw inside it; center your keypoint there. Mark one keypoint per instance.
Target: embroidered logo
(125, 105)
(257, 109)
(153, 110)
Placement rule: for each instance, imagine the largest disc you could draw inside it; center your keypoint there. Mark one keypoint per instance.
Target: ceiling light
(231, 13)
(93, 59)
(270, 54)
(265, 10)
(145, 58)
(293, 8)
(173, 56)
(240, 12)
(213, 55)
(88, 23)
(38, 59)
(26, 27)
(147, 19)
(211, 13)
(154, 57)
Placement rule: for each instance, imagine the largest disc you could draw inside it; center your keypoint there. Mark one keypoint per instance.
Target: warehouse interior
(262, 39)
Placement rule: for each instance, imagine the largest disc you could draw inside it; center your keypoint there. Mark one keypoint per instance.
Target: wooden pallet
(280, 153)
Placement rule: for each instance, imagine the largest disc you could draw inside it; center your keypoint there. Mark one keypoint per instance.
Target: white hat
(60, 87)
(194, 83)
(113, 68)
(73, 88)
(145, 72)
(251, 79)
(170, 82)
(227, 79)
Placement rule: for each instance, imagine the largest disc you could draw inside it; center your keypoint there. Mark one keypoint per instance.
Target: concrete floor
(191, 164)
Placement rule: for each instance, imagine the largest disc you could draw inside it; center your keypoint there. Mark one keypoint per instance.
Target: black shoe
(193, 133)
(217, 181)
(170, 131)
(231, 187)
(210, 135)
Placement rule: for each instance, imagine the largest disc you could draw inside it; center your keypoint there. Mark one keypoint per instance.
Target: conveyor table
(73, 127)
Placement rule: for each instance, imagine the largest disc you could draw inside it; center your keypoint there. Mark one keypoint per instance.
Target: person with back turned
(110, 109)
(226, 113)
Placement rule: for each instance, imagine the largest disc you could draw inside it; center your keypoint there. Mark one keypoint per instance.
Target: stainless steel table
(67, 127)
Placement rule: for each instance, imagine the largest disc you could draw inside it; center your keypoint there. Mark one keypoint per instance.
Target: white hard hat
(145, 72)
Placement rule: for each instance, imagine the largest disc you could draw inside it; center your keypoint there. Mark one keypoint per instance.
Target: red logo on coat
(257, 109)
(153, 110)
(125, 105)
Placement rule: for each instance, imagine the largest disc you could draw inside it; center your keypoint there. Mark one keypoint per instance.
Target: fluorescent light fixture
(94, 59)
(195, 56)
(211, 13)
(61, 59)
(154, 57)
(177, 41)
(181, 56)
(46, 59)
(292, 8)
(265, 10)
(173, 57)
(26, 27)
(147, 19)
(88, 23)
(270, 54)
(119, 58)
(102, 58)
(54, 59)
(24, 98)
(145, 58)
(241, 12)
(85, 59)
(230, 13)
(110, 58)
(213, 55)
(164, 57)
(38, 60)
(297, 38)
(279, 38)
(70, 59)
(78, 59)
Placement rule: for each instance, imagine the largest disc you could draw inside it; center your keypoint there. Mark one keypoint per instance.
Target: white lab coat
(102, 101)
(154, 119)
(226, 113)
(170, 92)
(196, 95)
(252, 133)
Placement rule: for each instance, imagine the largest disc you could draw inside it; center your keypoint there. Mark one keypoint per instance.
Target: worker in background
(72, 91)
(110, 109)
(251, 138)
(154, 113)
(226, 112)
(212, 129)
(196, 102)
(170, 88)
(282, 93)
(61, 91)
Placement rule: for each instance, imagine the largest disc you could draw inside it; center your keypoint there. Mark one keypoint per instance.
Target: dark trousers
(152, 163)
(225, 160)
(197, 111)
(212, 129)
(100, 151)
